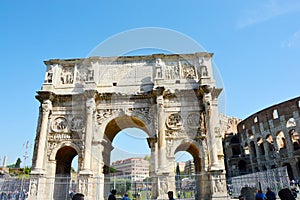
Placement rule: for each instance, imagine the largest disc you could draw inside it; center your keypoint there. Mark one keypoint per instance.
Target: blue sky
(256, 46)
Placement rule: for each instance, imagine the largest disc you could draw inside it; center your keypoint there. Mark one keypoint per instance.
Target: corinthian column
(160, 128)
(212, 116)
(46, 108)
(90, 110)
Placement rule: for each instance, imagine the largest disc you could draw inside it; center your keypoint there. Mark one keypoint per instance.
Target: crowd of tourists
(112, 196)
(16, 195)
(248, 193)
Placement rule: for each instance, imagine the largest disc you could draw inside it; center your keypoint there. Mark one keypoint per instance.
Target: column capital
(44, 95)
(90, 93)
(90, 105)
(151, 141)
(158, 91)
(46, 106)
(215, 92)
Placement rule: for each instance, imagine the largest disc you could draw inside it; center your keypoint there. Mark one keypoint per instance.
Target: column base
(38, 171)
(215, 167)
(218, 185)
(85, 172)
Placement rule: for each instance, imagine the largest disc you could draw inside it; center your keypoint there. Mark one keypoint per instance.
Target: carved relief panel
(77, 124)
(65, 128)
(189, 71)
(159, 68)
(85, 73)
(142, 112)
(193, 120)
(172, 71)
(67, 124)
(103, 114)
(169, 148)
(174, 121)
(49, 74)
(33, 187)
(203, 68)
(67, 75)
(59, 124)
(83, 185)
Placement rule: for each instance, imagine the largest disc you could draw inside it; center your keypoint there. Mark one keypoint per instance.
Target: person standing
(112, 195)
(170, 195)
(260, 195)
(78, 196)
(286, 194)
(270, 194)
(125, 197)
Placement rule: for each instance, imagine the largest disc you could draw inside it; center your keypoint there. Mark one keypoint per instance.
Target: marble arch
(65, 144)
(84, 103)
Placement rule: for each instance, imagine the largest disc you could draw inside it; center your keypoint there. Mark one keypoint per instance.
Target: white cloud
(267, 11)
(293, 41)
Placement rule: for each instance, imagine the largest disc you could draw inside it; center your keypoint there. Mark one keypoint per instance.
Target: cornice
(72, 62)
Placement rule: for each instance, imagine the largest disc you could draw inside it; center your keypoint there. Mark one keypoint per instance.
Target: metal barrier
(275, 179)
(13, 188)
(62, 188)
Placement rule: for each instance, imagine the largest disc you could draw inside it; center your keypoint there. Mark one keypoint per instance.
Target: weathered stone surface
(86, 102)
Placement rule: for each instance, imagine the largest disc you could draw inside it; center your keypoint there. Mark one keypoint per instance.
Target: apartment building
(136, 169)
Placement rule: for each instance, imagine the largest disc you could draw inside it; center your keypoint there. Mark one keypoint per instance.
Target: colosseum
(265, 140)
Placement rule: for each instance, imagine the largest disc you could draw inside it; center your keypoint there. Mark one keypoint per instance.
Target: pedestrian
(270, 194)
(260, 195)
(78, 196)
(71, 194)
(170, 195)
(125, 197)
(248, 192)
(241, 197)
(286, 194)
(112, 195)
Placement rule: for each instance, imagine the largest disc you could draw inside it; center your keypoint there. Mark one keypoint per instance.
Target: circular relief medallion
(60, 124)
(77, 123)
(193, 120)
(174, 121)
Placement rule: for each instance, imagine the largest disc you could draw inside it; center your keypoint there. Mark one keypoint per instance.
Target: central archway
(112, 129)
(119, 123)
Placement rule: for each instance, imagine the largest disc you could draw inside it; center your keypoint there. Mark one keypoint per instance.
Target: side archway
(63, 160)
(201, 189)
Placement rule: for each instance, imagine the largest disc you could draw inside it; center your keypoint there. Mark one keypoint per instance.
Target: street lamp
(24, 168)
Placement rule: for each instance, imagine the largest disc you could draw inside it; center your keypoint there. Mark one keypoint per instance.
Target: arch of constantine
(85, 103)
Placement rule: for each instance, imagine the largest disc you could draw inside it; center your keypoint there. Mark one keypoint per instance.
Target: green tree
(112, 169)
(18, 163)
(147, 157)
(122, 185)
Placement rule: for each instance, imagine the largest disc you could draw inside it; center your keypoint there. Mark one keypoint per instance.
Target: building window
(246, 149)
(291, 123)
(250, 134)
(280, 139)
(255, 120)
(275, 114)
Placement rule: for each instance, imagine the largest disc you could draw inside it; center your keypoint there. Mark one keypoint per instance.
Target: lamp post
(24, 168)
